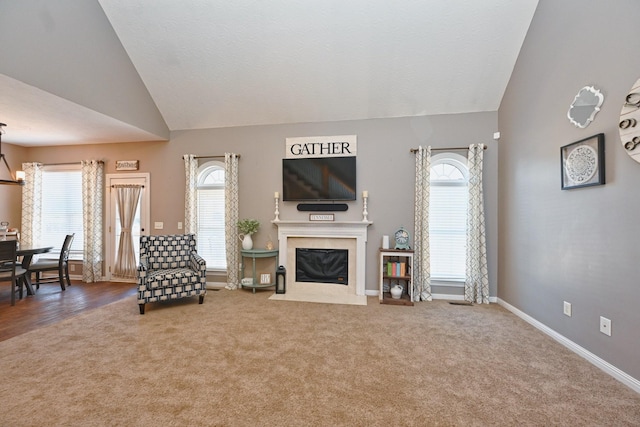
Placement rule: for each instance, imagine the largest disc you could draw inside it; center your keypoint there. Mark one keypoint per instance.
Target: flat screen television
(319, 179)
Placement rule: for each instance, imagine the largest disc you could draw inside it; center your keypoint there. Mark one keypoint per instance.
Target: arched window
(211, 234)
(448, 216)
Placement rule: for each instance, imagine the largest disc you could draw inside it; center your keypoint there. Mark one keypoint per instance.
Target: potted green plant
(247, 227)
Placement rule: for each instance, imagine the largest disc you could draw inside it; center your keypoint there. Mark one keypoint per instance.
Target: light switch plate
(567, 309)
(158, 225)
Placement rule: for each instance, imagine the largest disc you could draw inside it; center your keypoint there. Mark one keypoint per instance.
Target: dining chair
(11, 271)
(61, 265)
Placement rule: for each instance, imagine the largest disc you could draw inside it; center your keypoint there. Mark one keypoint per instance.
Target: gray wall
(385, 169)
(579, 245)
(68, 48)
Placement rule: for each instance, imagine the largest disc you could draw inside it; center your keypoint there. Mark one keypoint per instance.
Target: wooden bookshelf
(396, 268)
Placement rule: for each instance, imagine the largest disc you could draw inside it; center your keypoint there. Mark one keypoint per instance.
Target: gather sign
(321, 146)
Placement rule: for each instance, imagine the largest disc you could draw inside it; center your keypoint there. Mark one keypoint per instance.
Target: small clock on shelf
(402, 238)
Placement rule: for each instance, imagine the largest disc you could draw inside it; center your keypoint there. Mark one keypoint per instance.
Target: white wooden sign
(321, 146)
(126, 165)
(321, 217)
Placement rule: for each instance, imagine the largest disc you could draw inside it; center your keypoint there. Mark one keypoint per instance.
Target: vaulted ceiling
(133, 70)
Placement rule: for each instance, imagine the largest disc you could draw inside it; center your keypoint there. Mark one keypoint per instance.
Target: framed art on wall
(582, 163)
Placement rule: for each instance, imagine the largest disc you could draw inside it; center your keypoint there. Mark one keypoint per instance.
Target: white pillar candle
(365, 193)
(276, 195)
(385, 242)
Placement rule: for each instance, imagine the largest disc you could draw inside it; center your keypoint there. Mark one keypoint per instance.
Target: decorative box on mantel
(330, 234)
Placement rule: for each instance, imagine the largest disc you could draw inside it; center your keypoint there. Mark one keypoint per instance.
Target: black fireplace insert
(322, 265)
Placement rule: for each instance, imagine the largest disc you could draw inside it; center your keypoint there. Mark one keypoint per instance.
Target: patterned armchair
(170, 268)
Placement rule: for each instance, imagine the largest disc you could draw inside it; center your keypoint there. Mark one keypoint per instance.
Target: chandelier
(18, 178)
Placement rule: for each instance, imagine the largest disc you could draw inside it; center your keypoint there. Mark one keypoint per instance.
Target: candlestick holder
(277, 212)
(364, 209)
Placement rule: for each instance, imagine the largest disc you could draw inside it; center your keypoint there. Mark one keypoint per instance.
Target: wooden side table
(255, 254)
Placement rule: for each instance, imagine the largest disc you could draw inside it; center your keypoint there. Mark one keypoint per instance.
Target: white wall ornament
(585, 106)
(628, 126)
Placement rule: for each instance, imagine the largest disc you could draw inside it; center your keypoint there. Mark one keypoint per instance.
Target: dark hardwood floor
(51, 304)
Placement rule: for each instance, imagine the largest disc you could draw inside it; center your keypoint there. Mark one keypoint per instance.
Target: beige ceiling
(214, 63)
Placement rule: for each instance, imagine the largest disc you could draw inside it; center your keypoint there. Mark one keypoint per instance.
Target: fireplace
(322, 265)
(350, 236)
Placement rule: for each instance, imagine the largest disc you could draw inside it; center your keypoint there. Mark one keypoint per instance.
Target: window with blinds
(62, 208)
(448, 217)
(211, 224)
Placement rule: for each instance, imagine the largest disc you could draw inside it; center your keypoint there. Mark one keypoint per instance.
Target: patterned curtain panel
(231, 219)
(127, 197)
(476, 287)
(191, 194)
(422, 267)
(31, 204)
(92, 213)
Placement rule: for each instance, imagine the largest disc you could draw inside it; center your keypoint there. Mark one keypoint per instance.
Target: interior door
(140, 224)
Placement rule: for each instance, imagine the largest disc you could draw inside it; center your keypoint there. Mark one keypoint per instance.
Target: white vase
(396, 292)
(247, 242)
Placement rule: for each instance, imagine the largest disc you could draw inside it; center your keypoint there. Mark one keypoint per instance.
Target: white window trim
(201, 169)
(450, 157)
(459, 162)
(75, 253)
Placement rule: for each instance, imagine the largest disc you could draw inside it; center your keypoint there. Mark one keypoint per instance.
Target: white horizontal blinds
(62, 207)
(448, 222)
(211, 223)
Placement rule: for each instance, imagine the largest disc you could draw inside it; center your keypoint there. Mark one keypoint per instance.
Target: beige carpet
(241, 359)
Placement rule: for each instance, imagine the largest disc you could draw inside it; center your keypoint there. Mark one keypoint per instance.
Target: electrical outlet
(179, 225)
(605, 325)
(567, 309)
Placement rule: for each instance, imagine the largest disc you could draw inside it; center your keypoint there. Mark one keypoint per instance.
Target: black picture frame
(582, 163)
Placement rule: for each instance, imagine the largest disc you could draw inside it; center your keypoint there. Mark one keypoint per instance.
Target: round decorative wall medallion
(629, 125)
(582, 164)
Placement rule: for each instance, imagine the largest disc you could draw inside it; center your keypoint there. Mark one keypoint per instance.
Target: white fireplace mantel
(327, 230)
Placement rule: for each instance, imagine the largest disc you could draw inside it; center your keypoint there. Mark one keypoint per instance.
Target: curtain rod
(213, 157)
(64, 164)
(413, 150)
(61, 164)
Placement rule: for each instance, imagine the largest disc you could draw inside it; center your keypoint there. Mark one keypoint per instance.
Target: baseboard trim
(216, 285)
(49, 275)
(607, 367)
(452, 297)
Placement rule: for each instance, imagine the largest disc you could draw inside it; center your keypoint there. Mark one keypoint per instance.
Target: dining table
(27, 253)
